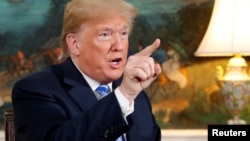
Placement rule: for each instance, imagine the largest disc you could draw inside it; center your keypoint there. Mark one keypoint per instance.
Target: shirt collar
(92, 83)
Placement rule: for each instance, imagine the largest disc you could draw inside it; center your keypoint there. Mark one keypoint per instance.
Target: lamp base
(235, 87)
(236, 121)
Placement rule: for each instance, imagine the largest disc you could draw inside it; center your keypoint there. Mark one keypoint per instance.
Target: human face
(103, 47)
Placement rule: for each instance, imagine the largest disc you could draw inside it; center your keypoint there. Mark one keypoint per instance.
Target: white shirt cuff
(127, 108)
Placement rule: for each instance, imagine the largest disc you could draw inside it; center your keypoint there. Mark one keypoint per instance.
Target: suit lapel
(116, 83)
(79, 90)
(83, 96)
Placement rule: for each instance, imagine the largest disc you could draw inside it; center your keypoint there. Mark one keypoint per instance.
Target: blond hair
(78, 12)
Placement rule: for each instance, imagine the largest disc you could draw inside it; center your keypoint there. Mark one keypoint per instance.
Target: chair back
(9, 125)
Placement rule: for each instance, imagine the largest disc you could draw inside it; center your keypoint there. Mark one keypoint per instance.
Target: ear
(73, 45)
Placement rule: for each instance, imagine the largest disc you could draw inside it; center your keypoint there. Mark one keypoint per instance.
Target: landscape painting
(184, 96)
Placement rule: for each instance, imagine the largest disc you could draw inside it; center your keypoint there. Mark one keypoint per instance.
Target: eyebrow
(109, 29)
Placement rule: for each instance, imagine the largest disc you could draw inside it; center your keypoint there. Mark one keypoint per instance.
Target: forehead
(110, 22)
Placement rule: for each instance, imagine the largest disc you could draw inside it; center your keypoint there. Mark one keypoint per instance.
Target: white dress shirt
(123, 102)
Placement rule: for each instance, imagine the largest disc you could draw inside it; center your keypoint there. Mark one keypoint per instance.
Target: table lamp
(228, 34)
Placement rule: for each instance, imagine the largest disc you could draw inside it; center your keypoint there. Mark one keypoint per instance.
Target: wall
(169, 135)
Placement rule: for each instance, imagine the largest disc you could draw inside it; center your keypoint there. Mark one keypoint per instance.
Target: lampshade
(228, 32)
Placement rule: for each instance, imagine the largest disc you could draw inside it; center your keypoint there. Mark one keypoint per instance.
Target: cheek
(92, 49)
(93, 57)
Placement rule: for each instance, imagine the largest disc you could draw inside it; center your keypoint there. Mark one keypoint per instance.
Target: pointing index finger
(150, 49)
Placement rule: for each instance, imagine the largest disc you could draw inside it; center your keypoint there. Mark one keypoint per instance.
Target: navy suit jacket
(57, 104)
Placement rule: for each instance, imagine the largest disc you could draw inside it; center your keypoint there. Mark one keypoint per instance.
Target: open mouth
(116, 60)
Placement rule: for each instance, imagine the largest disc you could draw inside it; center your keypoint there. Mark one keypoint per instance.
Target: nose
(118, 43)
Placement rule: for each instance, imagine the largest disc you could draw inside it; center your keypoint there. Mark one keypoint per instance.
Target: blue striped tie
(104, 90)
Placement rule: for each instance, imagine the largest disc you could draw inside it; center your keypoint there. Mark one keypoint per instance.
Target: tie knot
(102, 90)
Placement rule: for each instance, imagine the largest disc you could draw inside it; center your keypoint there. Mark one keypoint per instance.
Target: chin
(115, 75)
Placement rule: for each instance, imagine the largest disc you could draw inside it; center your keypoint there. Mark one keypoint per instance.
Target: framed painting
(184, 96)
(29, 39)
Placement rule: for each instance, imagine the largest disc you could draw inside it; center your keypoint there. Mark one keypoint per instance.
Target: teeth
(114, 62)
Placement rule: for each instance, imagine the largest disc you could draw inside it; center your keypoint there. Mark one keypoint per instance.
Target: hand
(139, 72)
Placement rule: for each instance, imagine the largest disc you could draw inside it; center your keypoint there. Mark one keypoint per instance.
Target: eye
(124, 34)
(105, 35)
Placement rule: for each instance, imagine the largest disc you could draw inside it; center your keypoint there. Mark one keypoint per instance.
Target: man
(59, 103)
